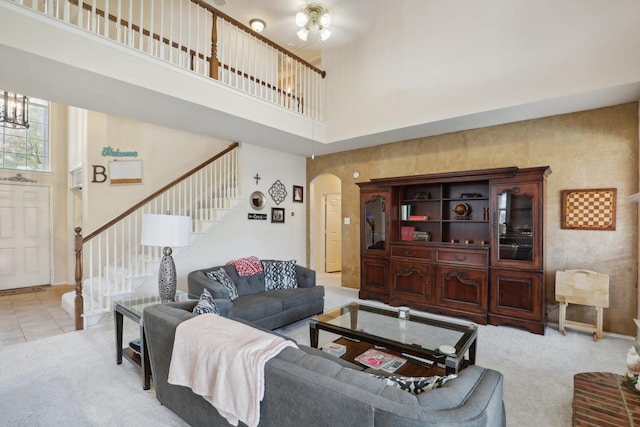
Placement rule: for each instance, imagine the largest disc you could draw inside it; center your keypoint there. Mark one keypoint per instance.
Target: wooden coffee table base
(601, 399)
(409, 369)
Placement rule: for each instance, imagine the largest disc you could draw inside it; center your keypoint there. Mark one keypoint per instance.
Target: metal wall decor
(278, 192)
(589, 209)
(18, 178)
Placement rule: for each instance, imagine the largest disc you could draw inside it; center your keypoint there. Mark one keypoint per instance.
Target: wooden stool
(582, 287)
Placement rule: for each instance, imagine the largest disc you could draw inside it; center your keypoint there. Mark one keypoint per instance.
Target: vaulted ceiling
(396, 70)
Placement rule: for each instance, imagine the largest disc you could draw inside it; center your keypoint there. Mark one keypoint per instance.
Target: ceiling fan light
(301, 19)
(325, 19)
(324, 34)
(303, 34)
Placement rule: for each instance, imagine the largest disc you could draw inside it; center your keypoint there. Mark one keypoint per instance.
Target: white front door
(24, 236)
(333, 233)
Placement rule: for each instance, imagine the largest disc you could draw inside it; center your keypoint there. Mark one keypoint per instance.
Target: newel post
(213, 64)
(79, 302)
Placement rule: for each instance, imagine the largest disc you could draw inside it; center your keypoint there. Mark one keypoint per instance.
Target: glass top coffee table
(438, 341)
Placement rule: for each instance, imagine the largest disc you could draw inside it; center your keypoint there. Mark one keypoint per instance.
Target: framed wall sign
(591, 209)
(125, 172)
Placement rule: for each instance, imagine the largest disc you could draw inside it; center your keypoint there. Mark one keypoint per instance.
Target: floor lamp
(166, 231)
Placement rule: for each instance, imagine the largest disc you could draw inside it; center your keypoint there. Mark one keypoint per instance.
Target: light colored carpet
(73, 380)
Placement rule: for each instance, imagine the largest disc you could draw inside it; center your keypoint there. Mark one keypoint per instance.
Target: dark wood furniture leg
(313, 334)
(117, 318)
(144, 360)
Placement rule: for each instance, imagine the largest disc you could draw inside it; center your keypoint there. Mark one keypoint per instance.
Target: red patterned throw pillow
(247, 266)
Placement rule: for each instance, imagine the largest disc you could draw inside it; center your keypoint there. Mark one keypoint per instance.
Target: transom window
(27, 149)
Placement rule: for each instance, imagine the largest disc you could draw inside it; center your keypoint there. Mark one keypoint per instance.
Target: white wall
(417, 70)
(236, 236)
(165, 153)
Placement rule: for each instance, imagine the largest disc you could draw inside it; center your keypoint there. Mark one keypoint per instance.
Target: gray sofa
(272, 309)
(307, 387)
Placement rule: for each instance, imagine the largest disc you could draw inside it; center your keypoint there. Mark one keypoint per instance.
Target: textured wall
(590, 149)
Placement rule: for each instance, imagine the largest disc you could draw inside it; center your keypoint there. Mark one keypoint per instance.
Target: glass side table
(133, 308)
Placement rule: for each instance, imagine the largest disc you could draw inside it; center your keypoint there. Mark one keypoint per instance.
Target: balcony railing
(196, 36)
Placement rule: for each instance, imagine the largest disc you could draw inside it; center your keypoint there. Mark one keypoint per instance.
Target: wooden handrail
(145, 32)
(259, 36)
(157, 193)
(213, 11)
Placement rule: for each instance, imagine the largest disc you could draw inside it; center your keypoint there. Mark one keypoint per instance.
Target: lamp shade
(166, 230)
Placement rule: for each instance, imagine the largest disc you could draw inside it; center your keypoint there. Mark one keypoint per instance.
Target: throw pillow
(247, 266)
(279, 275)
(206, 304)
(417, 385)
(223, 278)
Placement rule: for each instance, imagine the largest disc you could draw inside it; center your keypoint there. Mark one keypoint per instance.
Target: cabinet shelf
(465, 221)
(464, 199)
(420, 200)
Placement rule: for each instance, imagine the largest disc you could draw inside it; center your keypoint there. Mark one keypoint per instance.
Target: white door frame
(49, 209)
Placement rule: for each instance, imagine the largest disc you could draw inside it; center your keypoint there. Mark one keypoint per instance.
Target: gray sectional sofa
(306, 387)
(268, 309)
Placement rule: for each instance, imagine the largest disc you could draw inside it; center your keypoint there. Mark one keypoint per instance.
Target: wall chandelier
(14, 110)
(313, 17)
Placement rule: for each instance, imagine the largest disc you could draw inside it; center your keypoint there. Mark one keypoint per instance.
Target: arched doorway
(325, 223)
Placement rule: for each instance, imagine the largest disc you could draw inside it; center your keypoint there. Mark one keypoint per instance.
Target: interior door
(24, 236)
(333, 233)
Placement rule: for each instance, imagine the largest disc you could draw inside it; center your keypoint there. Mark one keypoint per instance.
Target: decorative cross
(257, 178)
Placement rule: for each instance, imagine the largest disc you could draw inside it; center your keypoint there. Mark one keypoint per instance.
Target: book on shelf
(377, 359)
(406, 211)
(406, 233)
(335, 349)
(418, 217)
(135, 345)
(421, 235)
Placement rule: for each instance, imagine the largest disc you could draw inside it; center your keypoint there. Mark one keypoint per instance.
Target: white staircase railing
(194, 35)
(111, 262)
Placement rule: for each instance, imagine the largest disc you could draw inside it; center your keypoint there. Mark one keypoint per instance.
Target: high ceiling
(350, 19)
(458, 64)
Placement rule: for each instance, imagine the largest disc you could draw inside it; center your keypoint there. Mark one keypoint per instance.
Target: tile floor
(33, 315)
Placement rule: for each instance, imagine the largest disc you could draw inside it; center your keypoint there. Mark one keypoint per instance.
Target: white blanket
(223, 361)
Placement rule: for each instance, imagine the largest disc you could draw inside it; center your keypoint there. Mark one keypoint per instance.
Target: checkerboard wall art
(592, 209)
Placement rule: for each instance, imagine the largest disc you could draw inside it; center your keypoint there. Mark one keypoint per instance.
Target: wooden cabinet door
(517, 235)
(461, 289)
(517, 294)
(375, 209)
(374, 278)
(410, 283)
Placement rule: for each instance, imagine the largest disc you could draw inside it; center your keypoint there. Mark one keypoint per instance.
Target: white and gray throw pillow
(206, 304)
(279, 275)
(221, 276)
(417, 385)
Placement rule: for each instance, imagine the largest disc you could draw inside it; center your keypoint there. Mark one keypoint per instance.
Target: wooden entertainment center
(465, 244)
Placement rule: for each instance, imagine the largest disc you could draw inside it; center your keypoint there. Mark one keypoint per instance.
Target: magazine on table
(377, 359)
